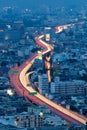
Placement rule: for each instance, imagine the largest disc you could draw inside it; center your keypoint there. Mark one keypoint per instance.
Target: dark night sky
(37, 3)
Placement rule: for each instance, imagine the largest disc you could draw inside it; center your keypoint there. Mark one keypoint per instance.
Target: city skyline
(37, 3)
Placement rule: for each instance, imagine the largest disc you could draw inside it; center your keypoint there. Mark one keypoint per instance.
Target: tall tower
(47, 65)
(47, 57)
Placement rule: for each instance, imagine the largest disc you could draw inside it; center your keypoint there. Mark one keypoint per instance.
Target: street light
(9, 92)
(41, 114)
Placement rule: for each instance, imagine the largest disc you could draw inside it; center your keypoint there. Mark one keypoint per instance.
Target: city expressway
(20, 82)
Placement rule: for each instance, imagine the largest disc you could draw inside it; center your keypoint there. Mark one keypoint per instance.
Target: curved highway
(20, 81)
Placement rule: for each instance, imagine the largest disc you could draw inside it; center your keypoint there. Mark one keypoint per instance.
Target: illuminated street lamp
(6, 37)
(10, 92)
(41, 114)
(8, 26)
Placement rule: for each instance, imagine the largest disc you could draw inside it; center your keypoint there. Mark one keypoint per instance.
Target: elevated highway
(20, 80)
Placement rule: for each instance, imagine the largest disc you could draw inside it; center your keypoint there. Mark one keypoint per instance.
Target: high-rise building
(43, 83)
(47, 66)
(52, 87)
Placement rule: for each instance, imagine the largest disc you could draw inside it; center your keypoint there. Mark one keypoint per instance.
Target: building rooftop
(9, 127)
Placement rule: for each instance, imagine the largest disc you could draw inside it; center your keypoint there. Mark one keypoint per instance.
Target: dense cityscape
(53, 43)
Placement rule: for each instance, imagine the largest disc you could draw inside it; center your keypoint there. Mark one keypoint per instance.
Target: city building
(10, 127)
(29, 120)
(43, 83)
(75, 87)
(38, 63)
(39, 109)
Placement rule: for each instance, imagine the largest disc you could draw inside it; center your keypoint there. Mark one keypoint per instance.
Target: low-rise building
(75, 87)
(29, 120)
